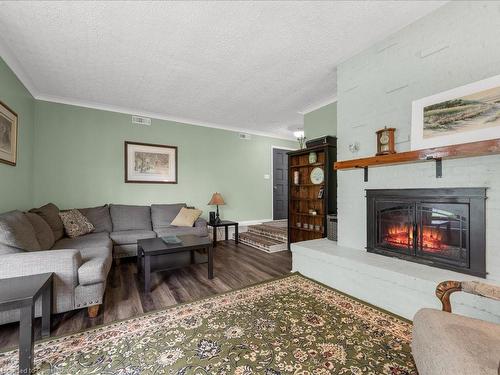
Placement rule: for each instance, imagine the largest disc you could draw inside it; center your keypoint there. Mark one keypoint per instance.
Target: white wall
(456, 45)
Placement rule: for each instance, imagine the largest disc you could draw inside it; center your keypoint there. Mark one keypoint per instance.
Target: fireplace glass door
(442, 232)
(395, 226)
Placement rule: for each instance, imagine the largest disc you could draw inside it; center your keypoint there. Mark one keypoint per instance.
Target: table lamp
(216, 201)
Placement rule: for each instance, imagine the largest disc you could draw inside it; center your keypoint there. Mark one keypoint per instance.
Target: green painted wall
(16, 182)
(79, 162)
(322, 121)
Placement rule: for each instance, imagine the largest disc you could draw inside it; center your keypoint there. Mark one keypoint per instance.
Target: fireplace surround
(443, 227)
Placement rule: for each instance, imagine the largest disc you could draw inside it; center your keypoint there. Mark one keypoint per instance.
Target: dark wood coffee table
(21, 293)
(151, 253)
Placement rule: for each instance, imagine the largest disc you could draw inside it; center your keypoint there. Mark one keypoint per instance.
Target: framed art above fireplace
(461, 115)
(443, 228)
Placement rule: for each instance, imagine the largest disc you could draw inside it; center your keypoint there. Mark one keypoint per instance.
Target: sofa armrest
(446, 288)
(63, 263)
(200, 223)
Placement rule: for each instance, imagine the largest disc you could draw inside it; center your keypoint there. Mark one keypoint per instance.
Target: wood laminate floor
(235, 266)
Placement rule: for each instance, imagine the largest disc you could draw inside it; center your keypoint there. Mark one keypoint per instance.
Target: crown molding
(157, 116)
(14, 65)
(319, 104)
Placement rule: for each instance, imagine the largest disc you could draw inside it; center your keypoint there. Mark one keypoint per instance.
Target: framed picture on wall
(149, 163)
(8, 135)
(465, 114)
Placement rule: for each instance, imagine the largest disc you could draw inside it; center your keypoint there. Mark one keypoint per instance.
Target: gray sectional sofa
(34, 242)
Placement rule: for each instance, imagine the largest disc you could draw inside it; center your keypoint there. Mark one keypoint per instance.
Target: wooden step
(269, 231)
(269, 245)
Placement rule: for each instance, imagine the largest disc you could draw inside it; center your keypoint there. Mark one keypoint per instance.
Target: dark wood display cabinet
(310, 198)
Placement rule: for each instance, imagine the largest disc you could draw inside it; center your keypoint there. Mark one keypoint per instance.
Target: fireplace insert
(439, 227)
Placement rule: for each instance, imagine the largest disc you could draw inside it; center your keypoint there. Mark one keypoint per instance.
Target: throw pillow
(43, 232)
(75, 224)
(17, 233)
(50, 213)
(186, 217)
(99, 217)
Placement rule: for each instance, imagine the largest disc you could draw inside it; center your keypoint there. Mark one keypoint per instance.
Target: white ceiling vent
(245, 136)
(146, 121)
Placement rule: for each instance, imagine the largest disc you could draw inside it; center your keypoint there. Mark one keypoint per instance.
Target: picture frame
(464, 114)
(150, 163)
(8, 135)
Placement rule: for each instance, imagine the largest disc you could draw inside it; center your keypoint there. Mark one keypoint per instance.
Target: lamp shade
(216, 200)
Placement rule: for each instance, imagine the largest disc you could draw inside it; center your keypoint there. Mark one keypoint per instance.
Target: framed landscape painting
(8, 135)
(465, 114)
(149, 163)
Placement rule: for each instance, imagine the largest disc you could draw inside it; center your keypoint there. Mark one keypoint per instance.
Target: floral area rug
(291, 325)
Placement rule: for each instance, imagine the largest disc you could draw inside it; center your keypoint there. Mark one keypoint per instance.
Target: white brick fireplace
(443, 50)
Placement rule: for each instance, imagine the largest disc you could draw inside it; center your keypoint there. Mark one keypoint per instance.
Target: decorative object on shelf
(150, 163)
(298, 224)
(211, 216)
(317, 227)
(296, 177)
(312, 212)
(313, 157)
(461, 115)
(321, 192)
(317, 176)
(301, 138)
(8, 135)
(385, 141)
(354, 147)
(217, 200)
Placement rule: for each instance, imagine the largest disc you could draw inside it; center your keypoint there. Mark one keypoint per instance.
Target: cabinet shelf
(306, 229)
(301, 185)
(306, 214)
(307, 165)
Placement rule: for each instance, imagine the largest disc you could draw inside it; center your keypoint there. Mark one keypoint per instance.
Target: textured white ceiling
(251, 66)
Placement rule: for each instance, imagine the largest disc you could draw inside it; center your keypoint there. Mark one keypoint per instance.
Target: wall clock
(385, 141)
(317, 176)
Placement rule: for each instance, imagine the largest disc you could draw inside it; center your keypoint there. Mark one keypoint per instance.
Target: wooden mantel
(471, 149)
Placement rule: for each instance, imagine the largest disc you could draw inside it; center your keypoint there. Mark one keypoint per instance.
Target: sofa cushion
(91, 240)
(177, 231)
(162, 215)
(444, 343)
(127, 237)
(99, 217)
(43, 232)
(95, 267)
(50, 213)
(186, 217)
(75, 223)
(17, 233)
(126, 217)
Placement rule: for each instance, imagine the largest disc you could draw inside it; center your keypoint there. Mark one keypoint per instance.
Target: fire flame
(402, 236)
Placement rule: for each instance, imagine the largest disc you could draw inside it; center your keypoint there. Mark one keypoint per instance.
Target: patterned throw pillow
(75, 224)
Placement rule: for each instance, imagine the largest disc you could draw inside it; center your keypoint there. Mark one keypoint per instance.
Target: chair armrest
(446, 288)
(63, 263)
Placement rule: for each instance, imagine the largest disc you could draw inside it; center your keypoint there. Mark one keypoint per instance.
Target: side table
(21, 293)
(226, 224)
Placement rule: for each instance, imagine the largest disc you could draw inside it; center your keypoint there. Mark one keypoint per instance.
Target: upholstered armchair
(447, 343)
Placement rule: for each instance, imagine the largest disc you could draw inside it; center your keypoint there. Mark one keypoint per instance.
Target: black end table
(21, 293)
(226, 224)
(151, 251)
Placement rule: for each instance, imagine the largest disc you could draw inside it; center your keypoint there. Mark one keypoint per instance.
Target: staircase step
(269, 231)
(266, 244)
